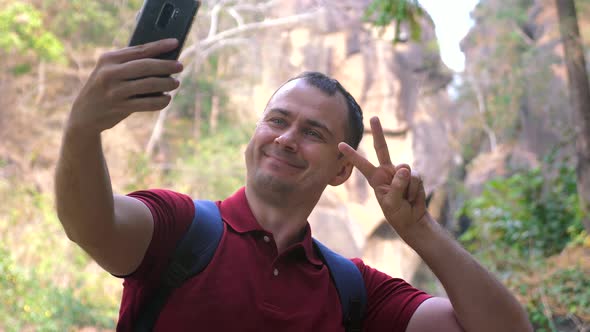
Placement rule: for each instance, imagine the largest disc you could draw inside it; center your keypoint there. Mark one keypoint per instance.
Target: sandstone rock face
(404, 85)
(546, 118)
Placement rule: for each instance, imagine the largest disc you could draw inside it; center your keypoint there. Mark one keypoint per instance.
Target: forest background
(525, 223)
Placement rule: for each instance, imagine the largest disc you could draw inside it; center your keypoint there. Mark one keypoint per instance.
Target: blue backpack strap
(191, 256)
(350, 285)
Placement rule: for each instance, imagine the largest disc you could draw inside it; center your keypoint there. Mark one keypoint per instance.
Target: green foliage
(22, 32)
(202, 89)
(83, 22)
(537, 317)
(45, 285)
(213, 167)
(570, 288)
(519, 224)
(516, 11)
(142, 174)
(552, 294)
(381, 13)
(31, 300)
(533, 212)
(209, 168)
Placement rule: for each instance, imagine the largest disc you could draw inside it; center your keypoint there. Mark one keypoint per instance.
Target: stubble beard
(272, 186)
(268, 186)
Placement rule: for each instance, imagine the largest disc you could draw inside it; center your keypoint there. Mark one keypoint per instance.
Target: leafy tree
(533, 213)
(499, 80)
(90, 23)
(519, 226)
(22, 32)
(382, 13)
(579, 96)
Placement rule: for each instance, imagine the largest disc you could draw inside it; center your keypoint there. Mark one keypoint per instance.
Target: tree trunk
(579, 91)
(197, 115)
(40, 83)
(214, 120)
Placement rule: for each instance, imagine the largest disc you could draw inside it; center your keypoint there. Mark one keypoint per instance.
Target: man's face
(295, 144)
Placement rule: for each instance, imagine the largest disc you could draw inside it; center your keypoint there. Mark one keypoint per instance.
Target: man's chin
(273, 184)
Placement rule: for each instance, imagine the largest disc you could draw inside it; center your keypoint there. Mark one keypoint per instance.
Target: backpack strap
(350, 285)
(191, 256)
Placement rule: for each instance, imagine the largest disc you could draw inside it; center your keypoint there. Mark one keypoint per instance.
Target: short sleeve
(391, 302)
(172, 212)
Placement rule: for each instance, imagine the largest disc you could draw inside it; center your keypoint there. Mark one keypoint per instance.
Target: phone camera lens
(165, 15)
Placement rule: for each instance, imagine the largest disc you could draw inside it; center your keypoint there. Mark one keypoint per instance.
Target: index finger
(135, 69)
(144, 51)
(379, 142)
(360, 162)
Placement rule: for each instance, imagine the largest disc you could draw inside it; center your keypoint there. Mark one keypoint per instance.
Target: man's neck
(284, 217)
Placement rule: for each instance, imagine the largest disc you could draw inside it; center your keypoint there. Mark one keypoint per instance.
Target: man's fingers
(146, 85)
(363, 165)
(379, 142)
(149, 50)
(397, 168)
(140, 68)
(400, 166)
(146, 104)
(420, 200)
(414, 187)
(399, 185)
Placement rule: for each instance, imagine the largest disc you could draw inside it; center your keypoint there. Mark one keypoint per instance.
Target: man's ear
(343, 173)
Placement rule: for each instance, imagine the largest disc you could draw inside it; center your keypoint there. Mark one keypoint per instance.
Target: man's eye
(313, 133)
(277, 121)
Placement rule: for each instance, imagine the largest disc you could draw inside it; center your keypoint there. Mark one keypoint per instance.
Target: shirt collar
(236, 212)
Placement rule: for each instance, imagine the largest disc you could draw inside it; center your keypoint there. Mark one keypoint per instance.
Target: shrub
(531, 213)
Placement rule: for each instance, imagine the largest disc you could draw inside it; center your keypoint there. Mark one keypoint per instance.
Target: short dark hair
(331, 86)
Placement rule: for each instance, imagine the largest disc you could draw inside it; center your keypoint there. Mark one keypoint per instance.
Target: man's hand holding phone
(125, 81)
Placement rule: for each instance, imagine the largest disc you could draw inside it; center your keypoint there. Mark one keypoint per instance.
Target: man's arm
(115, 230)
(478, 302)
(434, 314)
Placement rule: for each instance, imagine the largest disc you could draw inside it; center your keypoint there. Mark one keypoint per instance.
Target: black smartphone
(161, 19)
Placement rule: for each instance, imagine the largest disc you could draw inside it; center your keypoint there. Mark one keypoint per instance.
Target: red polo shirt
(247, 286)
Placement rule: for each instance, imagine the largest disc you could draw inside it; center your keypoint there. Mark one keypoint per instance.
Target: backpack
(197, 247)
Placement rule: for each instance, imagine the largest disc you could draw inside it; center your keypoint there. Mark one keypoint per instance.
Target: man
(265, 274)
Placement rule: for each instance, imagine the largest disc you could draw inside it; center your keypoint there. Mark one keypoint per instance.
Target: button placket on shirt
(267, 239)
(270, 290)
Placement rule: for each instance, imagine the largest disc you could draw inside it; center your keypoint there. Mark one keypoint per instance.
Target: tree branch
(236, 15)
(481, 106)
(224, 43)
(216, 41)
(261, 7)
(214, 20)
(40, 83)
(273, 23)
(391, 133)
(194, 66)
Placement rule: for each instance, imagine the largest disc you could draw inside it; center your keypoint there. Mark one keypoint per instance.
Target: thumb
(399, 185)
(420, 202)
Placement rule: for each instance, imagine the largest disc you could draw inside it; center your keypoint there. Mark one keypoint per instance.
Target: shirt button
(266, 239)
(275, 272)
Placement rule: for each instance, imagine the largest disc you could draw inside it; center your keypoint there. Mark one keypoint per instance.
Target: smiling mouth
(283, 161)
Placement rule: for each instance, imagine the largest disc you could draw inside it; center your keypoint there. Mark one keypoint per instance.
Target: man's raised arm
(478, 301)
(115, 230)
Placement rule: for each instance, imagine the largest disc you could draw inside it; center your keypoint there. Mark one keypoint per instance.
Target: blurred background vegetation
(525, 226)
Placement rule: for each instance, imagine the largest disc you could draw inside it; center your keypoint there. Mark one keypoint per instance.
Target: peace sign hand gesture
(398, 189)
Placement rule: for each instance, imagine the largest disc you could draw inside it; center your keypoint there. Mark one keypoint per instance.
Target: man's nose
(288, 140)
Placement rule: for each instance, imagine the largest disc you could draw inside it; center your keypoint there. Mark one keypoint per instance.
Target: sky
(452, 20)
